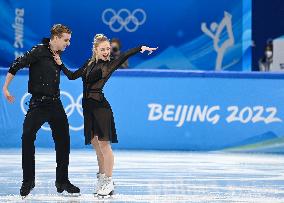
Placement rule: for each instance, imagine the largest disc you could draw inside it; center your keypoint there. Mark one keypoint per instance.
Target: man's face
(63, 41)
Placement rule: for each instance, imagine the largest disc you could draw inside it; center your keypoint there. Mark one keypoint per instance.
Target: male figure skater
(45, 106)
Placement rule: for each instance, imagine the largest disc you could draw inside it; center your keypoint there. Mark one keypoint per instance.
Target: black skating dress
(98, 115)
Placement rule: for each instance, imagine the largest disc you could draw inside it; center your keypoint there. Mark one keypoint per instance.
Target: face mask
(268, 54)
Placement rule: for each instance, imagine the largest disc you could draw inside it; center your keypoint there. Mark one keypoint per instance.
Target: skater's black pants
(40, 111)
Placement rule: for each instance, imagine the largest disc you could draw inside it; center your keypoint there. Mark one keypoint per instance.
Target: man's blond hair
(58, 30)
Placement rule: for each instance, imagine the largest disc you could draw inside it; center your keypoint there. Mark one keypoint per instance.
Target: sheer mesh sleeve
(120, 60)
(73, 75)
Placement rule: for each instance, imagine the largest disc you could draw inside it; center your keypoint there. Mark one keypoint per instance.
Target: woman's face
(103, 51)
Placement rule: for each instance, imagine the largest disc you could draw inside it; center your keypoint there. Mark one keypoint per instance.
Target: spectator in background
(266, 61)
(116, 51)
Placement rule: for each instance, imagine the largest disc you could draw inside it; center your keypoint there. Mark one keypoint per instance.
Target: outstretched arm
(70, 74)
(123, 57)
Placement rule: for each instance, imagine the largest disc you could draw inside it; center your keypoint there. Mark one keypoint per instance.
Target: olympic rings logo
(69, 109)
(124, 19)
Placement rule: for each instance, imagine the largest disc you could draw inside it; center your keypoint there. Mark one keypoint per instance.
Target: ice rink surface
(153, 176)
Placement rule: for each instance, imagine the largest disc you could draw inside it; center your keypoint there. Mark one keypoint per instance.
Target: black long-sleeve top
(44, 73)
(96, 74)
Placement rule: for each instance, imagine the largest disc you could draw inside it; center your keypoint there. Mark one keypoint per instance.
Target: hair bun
(99, 36)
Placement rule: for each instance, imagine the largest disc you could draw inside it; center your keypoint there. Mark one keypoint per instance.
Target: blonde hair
(58, 30)
(97, 40)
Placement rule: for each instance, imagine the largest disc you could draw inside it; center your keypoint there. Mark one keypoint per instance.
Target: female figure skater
(99, 126)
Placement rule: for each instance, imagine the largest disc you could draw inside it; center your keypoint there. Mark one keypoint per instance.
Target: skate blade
(66, 194)
(104, 196)
(111, 193)
(24, 197)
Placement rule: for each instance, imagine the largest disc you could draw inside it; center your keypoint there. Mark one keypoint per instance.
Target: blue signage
(170, 110)
(219, 39)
